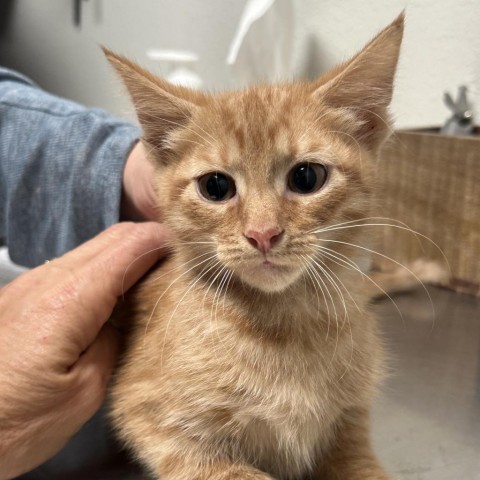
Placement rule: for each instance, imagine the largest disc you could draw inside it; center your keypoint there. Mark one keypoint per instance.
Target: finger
(149, 234)
(92, 372)
(148, 245)
(90, 284)
(55, 271)
(121, 265)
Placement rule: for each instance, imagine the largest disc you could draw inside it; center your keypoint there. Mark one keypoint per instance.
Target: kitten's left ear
(161, 106)
(364, 85)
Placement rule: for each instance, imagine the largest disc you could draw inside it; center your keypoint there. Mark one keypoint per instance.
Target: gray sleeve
(61, 170)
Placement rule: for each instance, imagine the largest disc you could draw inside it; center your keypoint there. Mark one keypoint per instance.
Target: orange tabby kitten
(252, 352)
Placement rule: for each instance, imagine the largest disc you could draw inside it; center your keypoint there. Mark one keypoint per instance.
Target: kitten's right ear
(161, 106)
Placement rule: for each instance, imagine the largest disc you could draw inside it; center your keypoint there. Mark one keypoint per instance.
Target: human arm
(62, 175)
(57, 352)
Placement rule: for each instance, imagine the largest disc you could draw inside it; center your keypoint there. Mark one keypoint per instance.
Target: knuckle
(143, 236)
(129, 232)
(141, 232)
(119, 230)
(66, 289)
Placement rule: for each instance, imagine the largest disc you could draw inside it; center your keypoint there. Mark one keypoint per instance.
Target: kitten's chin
(269, 277)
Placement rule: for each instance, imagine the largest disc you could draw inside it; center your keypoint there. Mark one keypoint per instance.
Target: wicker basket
(432, 183)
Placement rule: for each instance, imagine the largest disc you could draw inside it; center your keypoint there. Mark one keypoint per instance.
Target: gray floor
(426, 421)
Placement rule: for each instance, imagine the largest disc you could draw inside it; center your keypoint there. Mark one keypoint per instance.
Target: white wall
(441, 48)
(43, 42)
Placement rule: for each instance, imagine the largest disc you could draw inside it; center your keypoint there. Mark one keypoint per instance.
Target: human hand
(139, 201)
(56, 350)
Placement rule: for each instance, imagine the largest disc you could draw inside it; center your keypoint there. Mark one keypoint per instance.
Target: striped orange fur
(249, 364)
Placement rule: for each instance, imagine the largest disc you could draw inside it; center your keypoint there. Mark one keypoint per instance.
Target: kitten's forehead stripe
(258, 126)
(239, 135)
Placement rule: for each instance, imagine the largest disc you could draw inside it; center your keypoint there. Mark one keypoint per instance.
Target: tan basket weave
(432, 183)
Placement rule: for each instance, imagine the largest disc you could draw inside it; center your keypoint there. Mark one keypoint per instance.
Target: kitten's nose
(265, 240)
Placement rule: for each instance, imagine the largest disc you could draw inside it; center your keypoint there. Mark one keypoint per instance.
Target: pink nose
(265, 240)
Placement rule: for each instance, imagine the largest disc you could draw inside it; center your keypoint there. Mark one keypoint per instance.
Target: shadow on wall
(315, 62)
(6, 8)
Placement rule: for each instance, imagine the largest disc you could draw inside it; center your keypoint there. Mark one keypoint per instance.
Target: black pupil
(217, 186)
(305, 178)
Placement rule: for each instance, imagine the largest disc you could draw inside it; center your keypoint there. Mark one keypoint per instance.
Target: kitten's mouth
(268, 274)
(268, 266)
(271, 266)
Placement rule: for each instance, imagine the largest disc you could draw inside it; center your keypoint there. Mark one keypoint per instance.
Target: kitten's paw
(355, 474)
(241, 473)
(233, 472)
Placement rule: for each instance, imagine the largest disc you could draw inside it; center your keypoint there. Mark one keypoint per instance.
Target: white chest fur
(286, 402)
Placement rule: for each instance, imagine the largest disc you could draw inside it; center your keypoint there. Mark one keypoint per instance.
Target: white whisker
(169, 286)
(396, 263)
(133, 261)
(184, 264)
(319, 278)
(342, 299)
(348, 263)
(218, 293)
(191, 285)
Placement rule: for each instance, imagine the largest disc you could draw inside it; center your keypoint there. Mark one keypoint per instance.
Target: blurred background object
(461, 122)
(441, 48)
(178, 66)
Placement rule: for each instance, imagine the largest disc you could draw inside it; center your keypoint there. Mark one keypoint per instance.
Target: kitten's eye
(216, 186)
(307, 178)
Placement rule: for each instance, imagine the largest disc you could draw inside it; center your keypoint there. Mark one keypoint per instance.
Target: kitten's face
(260, 171)
(247, 179)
